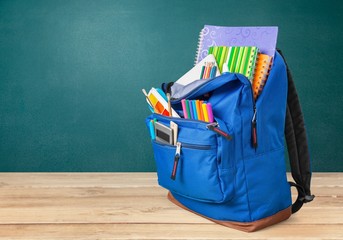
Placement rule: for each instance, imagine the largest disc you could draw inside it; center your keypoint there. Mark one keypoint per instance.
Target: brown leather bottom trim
(246, 227)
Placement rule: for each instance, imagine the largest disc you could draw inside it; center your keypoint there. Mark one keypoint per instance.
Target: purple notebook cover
(262, 37)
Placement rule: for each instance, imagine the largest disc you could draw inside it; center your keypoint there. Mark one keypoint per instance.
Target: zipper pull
(215, 128)
(176, 160)
(254, 129)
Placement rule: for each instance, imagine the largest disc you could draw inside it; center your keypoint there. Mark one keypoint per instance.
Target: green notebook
(220, 53)
(236, 59)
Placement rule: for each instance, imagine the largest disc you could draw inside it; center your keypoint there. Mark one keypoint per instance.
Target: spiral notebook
(262, 37)
(262, 69)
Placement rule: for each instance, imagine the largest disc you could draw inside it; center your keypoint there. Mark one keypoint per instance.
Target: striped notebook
(242, 60)
(262, 69)
(220, 53)
(235, 59)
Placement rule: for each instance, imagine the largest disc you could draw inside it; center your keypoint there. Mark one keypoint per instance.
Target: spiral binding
(262, 69)
(199, 47)
(252, 63)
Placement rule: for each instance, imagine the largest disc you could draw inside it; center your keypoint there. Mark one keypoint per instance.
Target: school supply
(174, 127)
(148, 100)
(208, 70)
(263, 66)
(241, 60)
(152, 129)
(209, 112)
(184, 108)
(163, 134)
(262, 37)
(220, 53)
(232, 171)
(198, 110)
(159, 103)
(195, 73)
(169, 104)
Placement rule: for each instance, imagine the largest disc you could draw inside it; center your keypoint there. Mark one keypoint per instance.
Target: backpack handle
(297, 145)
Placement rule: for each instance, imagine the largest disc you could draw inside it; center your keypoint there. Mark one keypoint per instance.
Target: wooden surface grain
(133, 206)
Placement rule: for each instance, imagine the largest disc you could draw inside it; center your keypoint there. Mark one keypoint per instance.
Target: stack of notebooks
(262, 37)
(245, 50)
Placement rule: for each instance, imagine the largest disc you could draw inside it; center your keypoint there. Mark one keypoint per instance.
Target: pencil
(169, 105)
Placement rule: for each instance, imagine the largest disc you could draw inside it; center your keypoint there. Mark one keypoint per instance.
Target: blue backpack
(233, 171)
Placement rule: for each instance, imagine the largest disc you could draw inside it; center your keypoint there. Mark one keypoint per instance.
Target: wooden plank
(165, 231)
(326, 179)
(81, 192)
(112, 180)
(330, 196)
(61, 180)
(41, 215)
(108, 197)
(132, 210)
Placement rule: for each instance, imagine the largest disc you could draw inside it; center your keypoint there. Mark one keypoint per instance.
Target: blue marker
(195, 115)
(152, 130)
(191, 109)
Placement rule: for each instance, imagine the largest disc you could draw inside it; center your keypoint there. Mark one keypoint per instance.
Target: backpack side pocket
(193, 167)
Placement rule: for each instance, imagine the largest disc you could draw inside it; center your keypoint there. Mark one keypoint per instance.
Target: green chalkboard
(71, 74)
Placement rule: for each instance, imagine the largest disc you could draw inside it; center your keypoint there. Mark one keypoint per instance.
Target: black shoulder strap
(297, 145)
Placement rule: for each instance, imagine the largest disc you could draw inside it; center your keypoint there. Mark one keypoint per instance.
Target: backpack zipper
(254, 128)
(177, 155)
(176, 160)
(210, 126)
(215, 128)
(253, 120)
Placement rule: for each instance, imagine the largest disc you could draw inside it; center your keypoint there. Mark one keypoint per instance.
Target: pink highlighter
(183, 103)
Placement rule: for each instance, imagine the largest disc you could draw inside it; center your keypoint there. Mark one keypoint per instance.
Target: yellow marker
(204, 110)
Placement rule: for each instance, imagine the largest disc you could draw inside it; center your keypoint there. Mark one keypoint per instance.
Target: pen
(169, 105)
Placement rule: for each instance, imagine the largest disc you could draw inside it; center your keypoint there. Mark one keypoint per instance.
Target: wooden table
(133, 206)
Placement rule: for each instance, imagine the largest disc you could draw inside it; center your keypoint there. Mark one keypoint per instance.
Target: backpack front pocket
(192, 168)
